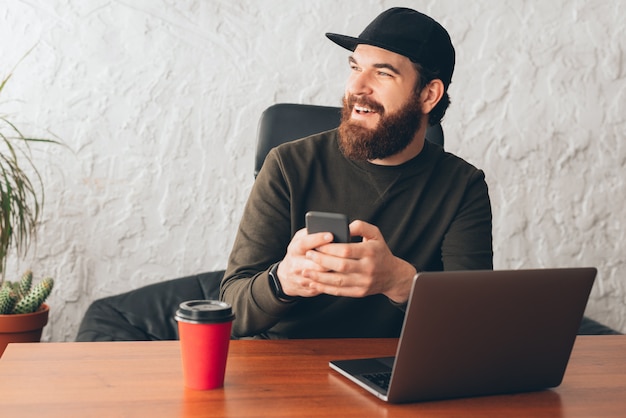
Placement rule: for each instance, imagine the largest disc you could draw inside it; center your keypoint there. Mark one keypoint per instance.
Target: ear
(431, 94)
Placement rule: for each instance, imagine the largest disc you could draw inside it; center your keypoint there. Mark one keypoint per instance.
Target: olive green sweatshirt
(433, 211)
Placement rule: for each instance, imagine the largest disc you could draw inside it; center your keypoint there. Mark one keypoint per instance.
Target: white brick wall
(158, 103)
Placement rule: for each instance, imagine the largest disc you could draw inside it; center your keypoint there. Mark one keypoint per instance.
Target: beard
(392, 134)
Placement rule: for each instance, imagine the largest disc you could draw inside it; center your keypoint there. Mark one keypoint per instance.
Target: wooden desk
(273, 378)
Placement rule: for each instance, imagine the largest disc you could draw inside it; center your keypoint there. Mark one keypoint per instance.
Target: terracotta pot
(22, 328)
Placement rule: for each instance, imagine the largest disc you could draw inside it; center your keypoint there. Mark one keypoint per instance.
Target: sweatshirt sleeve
(467, 244)
(262, 239)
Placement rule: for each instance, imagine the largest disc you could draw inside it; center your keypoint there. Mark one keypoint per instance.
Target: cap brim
(350, 42)
(344, 41)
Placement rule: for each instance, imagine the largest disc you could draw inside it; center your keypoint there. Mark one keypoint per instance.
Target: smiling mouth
(363, 109)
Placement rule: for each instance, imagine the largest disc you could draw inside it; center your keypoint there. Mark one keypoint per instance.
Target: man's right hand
(291, 268)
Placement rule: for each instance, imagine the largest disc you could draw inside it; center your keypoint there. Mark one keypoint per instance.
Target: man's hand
(291, 270)
(353, 270)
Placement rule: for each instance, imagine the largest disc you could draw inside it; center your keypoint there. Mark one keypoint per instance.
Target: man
(413, 206)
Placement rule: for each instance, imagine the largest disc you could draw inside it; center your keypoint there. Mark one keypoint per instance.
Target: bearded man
(413, 207)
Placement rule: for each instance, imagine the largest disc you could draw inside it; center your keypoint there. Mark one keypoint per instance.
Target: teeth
(362, 109)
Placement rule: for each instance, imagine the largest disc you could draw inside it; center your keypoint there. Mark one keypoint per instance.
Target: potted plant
(21, 203)
(23, 313)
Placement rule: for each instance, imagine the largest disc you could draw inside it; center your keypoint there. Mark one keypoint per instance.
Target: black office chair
(285, 122)
(147, 313)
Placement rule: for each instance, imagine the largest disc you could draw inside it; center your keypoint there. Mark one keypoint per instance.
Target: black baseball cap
(410, 33)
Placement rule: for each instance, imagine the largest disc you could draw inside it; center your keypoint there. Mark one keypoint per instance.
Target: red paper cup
(204, 331)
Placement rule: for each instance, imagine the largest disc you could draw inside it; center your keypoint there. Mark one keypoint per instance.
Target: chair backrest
(285, 122)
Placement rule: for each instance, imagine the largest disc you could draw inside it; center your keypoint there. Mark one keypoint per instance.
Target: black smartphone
(336, 223)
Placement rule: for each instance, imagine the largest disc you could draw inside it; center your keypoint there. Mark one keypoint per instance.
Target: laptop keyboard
(379, 379)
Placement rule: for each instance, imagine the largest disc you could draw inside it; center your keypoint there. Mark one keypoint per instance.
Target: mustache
(373, 105)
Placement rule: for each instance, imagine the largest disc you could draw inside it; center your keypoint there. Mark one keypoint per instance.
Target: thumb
(365, 230)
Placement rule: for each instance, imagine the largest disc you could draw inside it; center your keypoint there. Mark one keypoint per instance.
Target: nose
(359, 83)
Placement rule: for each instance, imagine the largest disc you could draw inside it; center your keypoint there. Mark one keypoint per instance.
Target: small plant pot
(22, 328)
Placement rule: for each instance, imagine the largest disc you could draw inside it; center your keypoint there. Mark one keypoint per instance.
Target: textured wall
(158, 103)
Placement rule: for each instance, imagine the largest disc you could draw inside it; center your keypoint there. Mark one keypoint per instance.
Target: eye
(384, 74)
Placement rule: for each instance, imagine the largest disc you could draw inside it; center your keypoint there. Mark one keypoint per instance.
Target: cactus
(7, 299)
(24, 284)
(21, 297)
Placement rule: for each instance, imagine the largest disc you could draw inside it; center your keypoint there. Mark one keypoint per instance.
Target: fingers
(352, 257)
(303, 242)
(295, 263)
(365, 230)
(332, 283)
(336, 257)
(314, 264)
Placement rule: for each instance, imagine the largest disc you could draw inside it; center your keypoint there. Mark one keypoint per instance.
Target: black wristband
(276, 287)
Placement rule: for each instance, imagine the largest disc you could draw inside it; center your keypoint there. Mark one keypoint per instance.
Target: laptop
(473, 333)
